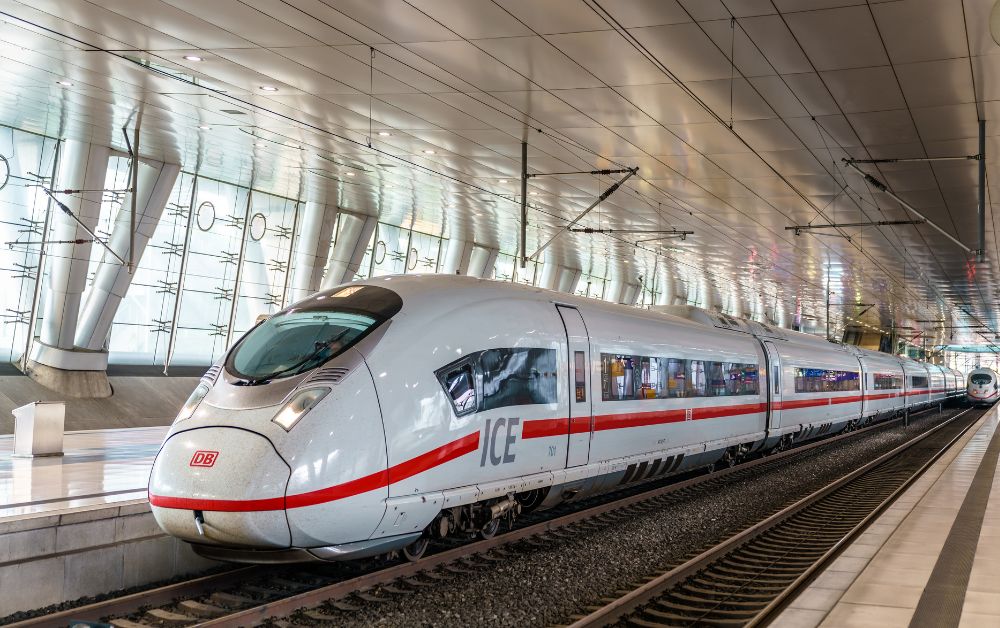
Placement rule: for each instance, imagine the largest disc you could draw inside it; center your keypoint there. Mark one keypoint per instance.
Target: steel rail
(625, 605)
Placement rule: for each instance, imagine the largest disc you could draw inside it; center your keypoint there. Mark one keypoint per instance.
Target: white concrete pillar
(112, 279)
(347, 253)
(614, 290)
(568, 278)
(491, 262)
(630, 294)
(550, 275)
(82, 166)
(457, 257)
(477, 261)
(312, 247)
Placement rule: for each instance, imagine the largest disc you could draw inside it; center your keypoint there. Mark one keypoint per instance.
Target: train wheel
(415, 550)
(489, 530)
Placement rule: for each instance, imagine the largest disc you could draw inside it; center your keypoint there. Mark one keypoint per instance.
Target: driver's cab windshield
(310, 333)
(980, 379)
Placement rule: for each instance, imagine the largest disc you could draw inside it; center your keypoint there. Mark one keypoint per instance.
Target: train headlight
(298, 406)
(192, 402)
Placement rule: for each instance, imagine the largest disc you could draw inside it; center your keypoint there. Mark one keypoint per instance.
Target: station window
(918, 381)
(497, 378)
(809, 380)
(641, 377)
(887, 381)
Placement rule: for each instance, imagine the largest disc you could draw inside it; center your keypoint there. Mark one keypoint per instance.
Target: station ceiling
(738, 114)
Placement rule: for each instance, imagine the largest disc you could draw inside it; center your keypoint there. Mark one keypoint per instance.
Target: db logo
(204, 458)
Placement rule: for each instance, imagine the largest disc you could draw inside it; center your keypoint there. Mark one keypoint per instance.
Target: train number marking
(203, 458)
(688, 414)
(490, 441)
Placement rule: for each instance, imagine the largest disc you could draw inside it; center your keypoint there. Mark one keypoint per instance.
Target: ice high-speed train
(983, 388)
(373, 416)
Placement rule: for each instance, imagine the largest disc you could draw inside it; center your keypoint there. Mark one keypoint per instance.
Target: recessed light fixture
(192, 58)
(428, 152)
(532, 193)
(260, 145)
(384, 133)
(269, 88)
(64, 83)
(350, 174)
(504, 181)
(205, 127)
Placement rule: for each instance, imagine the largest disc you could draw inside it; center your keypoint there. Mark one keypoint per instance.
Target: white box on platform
(38, 429)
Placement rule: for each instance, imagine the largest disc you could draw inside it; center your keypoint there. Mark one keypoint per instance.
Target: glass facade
(219, 259)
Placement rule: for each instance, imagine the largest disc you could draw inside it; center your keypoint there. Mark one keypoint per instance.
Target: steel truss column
(349, 251)
(112, 280)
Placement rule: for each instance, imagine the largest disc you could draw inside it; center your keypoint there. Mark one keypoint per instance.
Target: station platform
(931, 559)
(79, 525)
(98, 467)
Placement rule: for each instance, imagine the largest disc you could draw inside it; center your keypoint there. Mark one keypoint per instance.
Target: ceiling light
(428, 152)
(269, 88)
(260, 145)
(384, 133)
(64, 83)
(192, 58)
(350, 174)
(205, 127)
(532, 193)
(504, 181)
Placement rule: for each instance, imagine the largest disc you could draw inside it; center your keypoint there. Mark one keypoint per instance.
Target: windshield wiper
(298, 365)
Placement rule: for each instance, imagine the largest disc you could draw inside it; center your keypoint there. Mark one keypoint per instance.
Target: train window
(640, 377)
(918, 381)
(980, 379)
(808, 380)
(460, 384)
(310, 333)
(887, 381)
(580, 375)
(517, 377)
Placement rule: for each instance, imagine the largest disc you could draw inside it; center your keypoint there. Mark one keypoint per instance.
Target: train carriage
(883, 384)
(983, 387)
(376, 415)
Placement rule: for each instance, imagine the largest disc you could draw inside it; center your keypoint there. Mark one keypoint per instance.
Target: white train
(983, 388)
(373, 416)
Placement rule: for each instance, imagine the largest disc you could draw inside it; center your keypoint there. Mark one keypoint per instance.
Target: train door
(773, 385)
(581, 393)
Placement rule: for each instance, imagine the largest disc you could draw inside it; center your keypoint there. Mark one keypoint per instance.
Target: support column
(312, 246)
(482, 261)
(52, 360)
(630, 294)
(550, 275)
(347, 253)
(457, 257)
(568, 278)
(112, 280)
(82, 167)
(613, 291)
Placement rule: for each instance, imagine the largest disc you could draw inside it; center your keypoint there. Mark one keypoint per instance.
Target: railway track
(745, 579)
(249, 595)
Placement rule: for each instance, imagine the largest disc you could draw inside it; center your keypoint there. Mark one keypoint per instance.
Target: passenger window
(461, 387)
(580, 370)
(515, 377)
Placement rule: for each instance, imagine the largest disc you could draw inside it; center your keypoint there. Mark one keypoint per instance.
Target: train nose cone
(232, 478)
